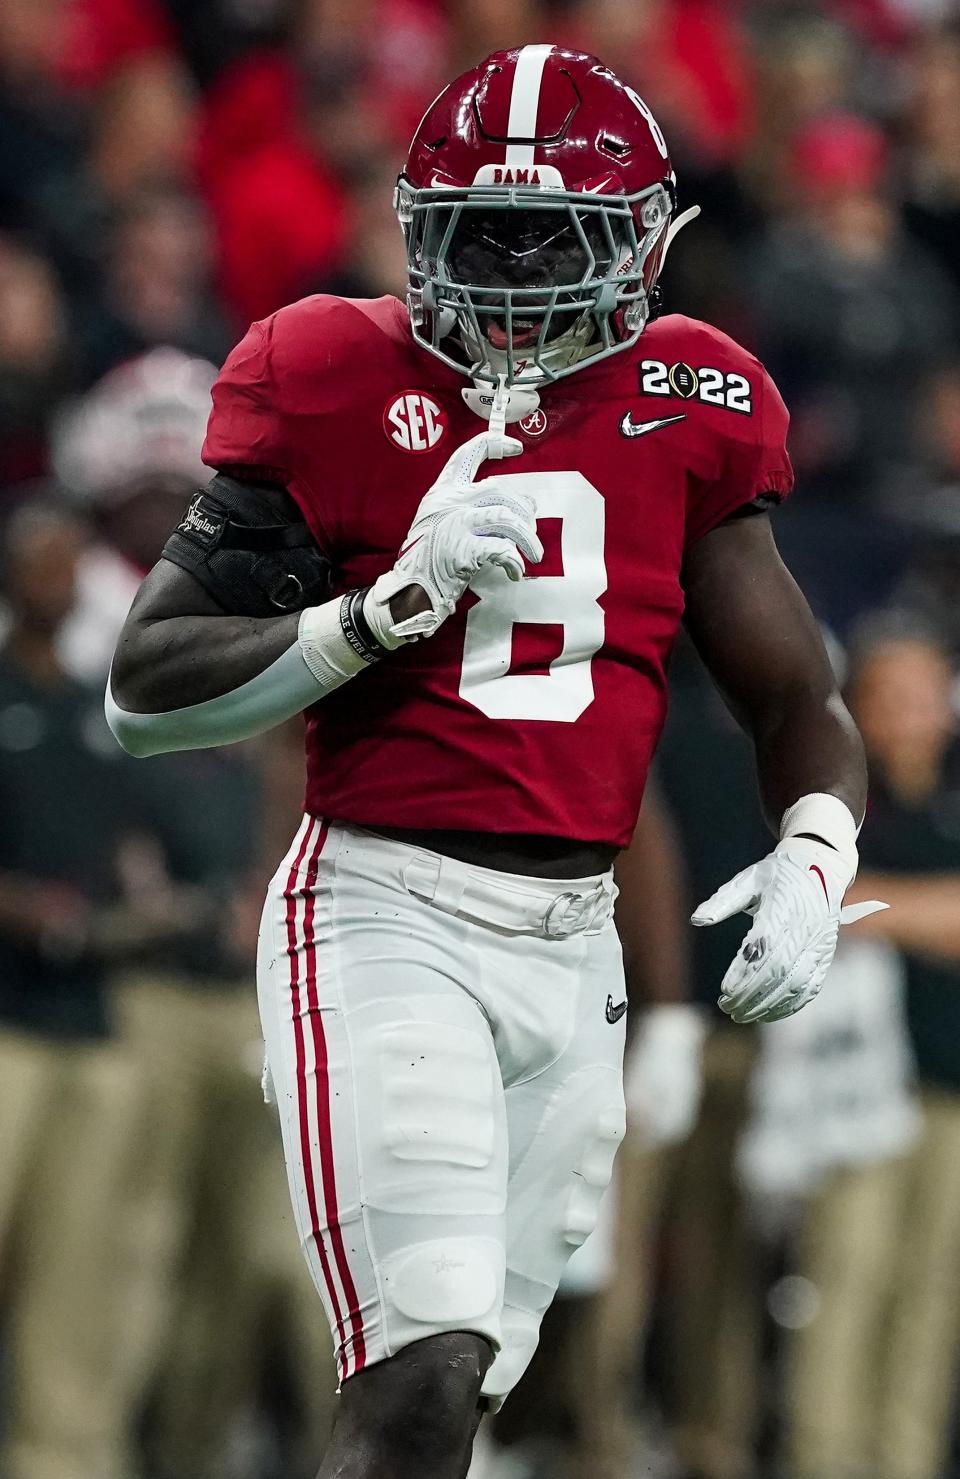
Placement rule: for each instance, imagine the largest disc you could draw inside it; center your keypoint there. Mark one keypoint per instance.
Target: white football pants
(445, 1051)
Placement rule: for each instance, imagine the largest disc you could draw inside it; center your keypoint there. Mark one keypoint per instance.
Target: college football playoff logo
(414, 421)
(705, 383)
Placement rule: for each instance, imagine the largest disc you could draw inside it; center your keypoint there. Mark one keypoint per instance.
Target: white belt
(554, 909)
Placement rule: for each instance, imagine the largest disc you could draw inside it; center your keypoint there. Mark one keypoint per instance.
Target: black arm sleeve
(247, 545)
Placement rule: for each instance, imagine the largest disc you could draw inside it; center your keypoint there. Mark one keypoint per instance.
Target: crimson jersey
(538, 704)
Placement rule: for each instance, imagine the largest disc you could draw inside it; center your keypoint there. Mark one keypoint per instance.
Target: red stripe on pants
(327, 1169)
(305, 1150)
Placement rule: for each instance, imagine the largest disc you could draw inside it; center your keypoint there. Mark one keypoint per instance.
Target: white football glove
(662, 1074)
(460, 527)
(795, 895)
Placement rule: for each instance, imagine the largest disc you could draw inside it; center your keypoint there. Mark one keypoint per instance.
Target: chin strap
(676, 226)
(501, 407)
(498, 417)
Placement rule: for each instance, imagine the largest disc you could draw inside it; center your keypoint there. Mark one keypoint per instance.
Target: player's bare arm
(759, 640)
(179, 647)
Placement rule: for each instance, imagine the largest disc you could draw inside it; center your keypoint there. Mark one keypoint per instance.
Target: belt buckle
(564, 916)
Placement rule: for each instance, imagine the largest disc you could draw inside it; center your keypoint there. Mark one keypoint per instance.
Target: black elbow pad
(247, 545)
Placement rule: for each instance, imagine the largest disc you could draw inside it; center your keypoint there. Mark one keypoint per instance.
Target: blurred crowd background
(777, 1289)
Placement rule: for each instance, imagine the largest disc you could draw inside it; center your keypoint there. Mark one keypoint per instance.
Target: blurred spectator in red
(123, 53)
(81, 43)
(285, 130)
(276, 205)
(115, 65)
(804, 71)
(156, 286)
(128, 453)
(689, 59)
(34, 360)
(849, 312)
(94, 104)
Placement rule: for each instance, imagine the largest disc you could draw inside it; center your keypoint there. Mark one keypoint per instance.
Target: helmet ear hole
(445, 319)
(637, 314)
(655, 211)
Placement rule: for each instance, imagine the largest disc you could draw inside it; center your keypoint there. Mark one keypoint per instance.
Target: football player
(460, 535)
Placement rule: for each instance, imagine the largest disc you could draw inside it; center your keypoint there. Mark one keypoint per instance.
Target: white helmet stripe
(525, 104)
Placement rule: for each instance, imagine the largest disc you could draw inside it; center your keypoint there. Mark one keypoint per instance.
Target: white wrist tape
(822, 815)
(325, 649)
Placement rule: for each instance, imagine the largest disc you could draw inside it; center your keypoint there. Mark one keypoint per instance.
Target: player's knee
(420, 1405)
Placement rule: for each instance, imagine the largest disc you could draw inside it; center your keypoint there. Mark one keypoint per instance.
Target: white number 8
(569, 600)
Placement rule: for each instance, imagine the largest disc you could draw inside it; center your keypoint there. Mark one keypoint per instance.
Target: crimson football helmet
(536, 204)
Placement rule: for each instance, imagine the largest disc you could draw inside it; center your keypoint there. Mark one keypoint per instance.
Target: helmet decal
(525, 106)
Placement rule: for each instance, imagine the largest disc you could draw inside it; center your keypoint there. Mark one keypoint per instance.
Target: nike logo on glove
(631, 428)
(614, 1013)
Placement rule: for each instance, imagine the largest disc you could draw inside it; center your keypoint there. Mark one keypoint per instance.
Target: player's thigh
(565, 1126)
(390, 1099)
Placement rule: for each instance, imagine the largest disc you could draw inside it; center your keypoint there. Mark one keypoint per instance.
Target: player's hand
(662, 1074)
(795, 895)
(460, 527)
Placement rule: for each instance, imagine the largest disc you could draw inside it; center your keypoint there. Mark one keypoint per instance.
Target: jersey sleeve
(245, 432)
(755, 464)
(278, 405)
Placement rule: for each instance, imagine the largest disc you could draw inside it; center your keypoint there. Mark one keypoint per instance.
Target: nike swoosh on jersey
(631, 428)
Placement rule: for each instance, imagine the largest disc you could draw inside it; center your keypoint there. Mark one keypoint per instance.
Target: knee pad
(593, 1173)
(442, 1285)
(520, 1337)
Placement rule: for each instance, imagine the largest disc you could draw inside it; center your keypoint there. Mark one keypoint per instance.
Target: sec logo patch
(414, 421)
